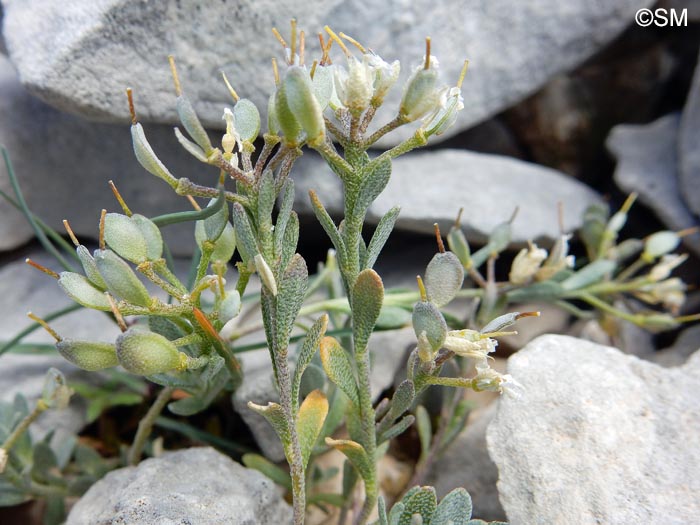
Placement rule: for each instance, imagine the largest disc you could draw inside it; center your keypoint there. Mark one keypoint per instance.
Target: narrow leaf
(375, 177)
(244, 233)
(275, 416)
(267, 467)
(381, 235)
(328, 225)
(283, 215)
(397, 429)
(337, 365)
(291, 292)
(307, 352)
(425, 429)
(355, 453)
(367, 299)
(310, 418)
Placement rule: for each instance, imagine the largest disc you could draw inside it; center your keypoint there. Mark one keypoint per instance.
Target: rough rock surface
(647, 163)
(432, 186)
(197, 486)
(467, 464)
(597, 437)
(79, 56)
(689, 146)
(63, 164)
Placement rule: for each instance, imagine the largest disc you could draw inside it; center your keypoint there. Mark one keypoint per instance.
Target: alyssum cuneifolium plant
(188, 341)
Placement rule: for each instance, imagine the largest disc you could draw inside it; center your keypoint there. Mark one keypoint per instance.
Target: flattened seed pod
(146, 353)
(88, 355)
(443, 278)
(82, 291)
(121, 280)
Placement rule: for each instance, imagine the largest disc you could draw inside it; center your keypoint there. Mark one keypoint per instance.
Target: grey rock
(466, 463)
(647, 163)
(197, 486)
(689, 146)
(63, 164)
(23, 289)
(683, 347)
(597, 437)
(79, 56)
(432, 186)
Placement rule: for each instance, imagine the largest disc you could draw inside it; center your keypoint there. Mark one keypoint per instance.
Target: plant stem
(146, 425)
(368, 429)
(40, 407)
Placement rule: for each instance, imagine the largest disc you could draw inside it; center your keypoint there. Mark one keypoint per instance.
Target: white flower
(354, 86)
(470, 343)
(231, 137)
(488, 379)
(385, 75)
(668, 263)
(558, 259)
(526, 264)
(669, 292)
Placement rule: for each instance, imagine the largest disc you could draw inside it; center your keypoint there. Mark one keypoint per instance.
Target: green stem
(146, 425)
(40, 407)
(386, 128)
(367, 417)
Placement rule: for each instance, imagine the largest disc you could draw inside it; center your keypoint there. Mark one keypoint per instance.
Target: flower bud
(385, 75)
(88, 355)
(662, 270)
(303, 104)
(443, 278)
(526, 264)
(121, 280)
(136, 238)
(146, 353)
(428, 320)
(82, 291)
(323, 84)
(421, 94)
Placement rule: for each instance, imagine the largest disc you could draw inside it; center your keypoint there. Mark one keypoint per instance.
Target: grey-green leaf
(367, 299)
(380, 236)
(454, 509)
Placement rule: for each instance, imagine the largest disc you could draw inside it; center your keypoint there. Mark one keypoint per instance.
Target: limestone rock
(197, 486)
(467, 463)
(597, 437)
(63, 164)
(79, 56)
(689, 146)
(647, 163)
(432, 186)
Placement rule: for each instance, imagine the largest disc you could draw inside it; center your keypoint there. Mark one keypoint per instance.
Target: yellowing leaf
(310, 418)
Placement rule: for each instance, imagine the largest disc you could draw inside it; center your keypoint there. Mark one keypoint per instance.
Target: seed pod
(90, 267)
(443, 278)
(273, 125)
(125, 238)
(660, 243)
(146, 353)
(56, 392)
(420, 95)
(88, 355)
(459, 246)
(121, 280)
(288, 123)
(147, 158)
(191, 122)
(210, 229)
(151, 233)
(82, 291)
(247, 119)
(427, 318)
(230, 307)
(303, 104)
